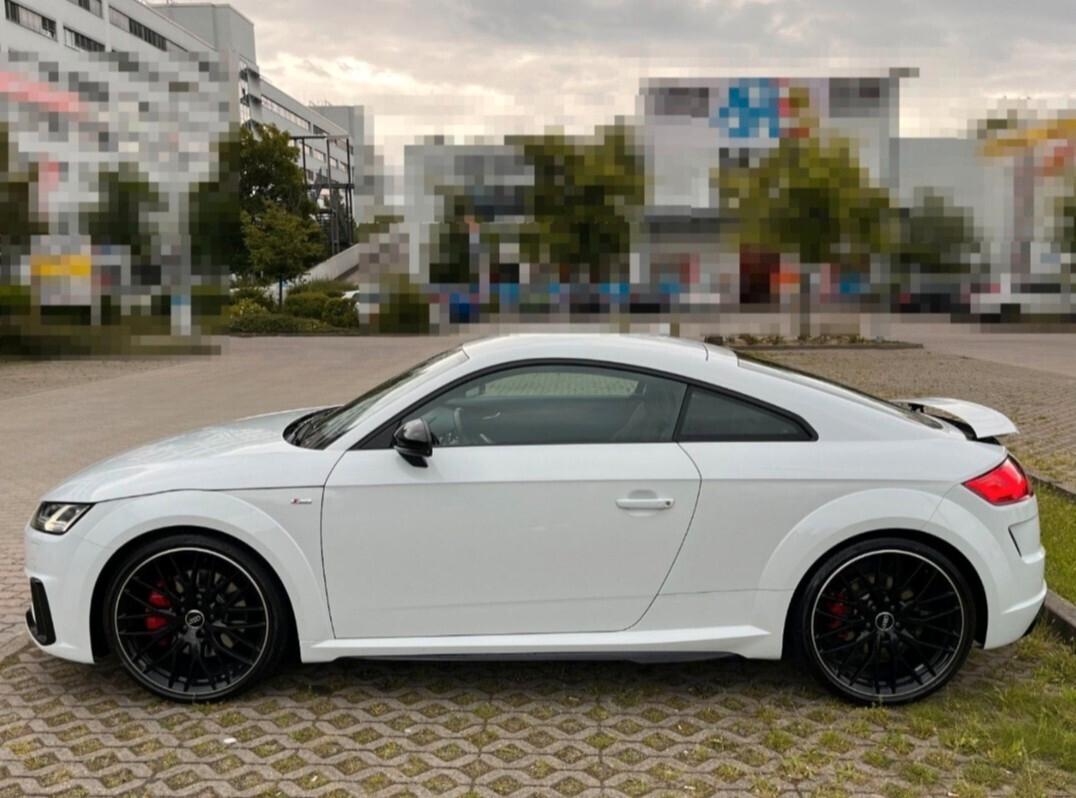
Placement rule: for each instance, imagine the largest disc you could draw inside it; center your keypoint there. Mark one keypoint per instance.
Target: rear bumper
(1002, 543)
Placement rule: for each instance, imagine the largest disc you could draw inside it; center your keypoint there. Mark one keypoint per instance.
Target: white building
(152, 31)
(491, 178)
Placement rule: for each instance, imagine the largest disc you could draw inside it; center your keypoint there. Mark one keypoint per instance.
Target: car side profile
(559, 496)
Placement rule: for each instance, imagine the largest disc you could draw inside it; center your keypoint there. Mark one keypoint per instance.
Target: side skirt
(639, 646)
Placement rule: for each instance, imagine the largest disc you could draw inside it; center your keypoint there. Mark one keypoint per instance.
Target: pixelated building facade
(78, 123)
(683, 258)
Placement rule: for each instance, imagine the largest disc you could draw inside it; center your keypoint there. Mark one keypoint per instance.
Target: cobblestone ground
(464, 729)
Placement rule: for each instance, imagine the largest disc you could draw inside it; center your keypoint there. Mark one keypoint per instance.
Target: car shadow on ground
(618, 683)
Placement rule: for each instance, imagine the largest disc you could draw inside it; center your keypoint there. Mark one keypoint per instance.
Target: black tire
(884, 621)
(194, 618)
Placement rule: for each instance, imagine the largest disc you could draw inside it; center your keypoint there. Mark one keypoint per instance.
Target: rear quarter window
(711, 416)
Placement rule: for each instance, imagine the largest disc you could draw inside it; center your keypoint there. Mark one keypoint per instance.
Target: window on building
(556, 404)
(856, 97)
(31, 20)
(138, 30)
(79, 41)
(93, 6)
(693, 101)
(283, 112)
(711, 416)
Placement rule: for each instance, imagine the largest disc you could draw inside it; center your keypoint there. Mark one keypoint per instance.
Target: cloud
(495, 66)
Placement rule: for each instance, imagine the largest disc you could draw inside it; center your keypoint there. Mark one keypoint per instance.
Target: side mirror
(413, 441)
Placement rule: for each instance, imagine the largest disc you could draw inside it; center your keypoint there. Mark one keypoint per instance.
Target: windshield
(318, 430)
(835, 388)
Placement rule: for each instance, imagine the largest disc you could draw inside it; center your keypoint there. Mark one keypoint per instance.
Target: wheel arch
(98, 638)
(945, 548)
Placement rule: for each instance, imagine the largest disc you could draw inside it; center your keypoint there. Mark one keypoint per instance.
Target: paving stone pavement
(713, 728)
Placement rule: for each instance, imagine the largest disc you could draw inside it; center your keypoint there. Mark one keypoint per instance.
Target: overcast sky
(488, 67)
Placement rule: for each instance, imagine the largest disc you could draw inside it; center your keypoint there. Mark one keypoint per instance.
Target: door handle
(630, 503)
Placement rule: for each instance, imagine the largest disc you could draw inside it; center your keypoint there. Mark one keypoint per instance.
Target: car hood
(246, 454)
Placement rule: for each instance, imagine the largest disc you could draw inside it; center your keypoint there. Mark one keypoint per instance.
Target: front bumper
(61, 570)
(39, 616)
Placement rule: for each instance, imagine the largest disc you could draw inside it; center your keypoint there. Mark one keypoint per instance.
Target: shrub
(255, 294)
(14, 300)
(331, 288)
(306, 304)
(340, 312)
(246, 307)
(275, 324)
(403, 310)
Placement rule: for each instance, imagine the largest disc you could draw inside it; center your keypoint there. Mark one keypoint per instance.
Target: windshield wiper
(306, 425)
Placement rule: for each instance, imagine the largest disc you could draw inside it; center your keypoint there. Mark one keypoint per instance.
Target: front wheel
(193, 618)
(885, 621)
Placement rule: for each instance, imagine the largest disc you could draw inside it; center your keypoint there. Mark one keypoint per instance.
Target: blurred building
(693, 128)
(336, 148)
(443, 180)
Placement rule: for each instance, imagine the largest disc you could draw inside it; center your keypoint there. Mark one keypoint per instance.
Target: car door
(555, 501)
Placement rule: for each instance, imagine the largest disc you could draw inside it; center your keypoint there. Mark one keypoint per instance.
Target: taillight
(1004, 485)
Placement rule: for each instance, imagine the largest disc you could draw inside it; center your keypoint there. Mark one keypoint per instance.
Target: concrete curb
(1059, 613)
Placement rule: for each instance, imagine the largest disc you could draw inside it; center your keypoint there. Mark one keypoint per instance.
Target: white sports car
(553, 495)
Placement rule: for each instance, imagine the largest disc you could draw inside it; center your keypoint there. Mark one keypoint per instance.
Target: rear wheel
(885, 621)
(193, 618)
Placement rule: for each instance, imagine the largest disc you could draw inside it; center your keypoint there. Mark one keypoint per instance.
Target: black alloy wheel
(886, 622)
(195, 619)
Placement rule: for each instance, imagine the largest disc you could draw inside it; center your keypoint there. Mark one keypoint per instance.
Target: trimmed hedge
(306, 304)
(275, 324)
(340, 312)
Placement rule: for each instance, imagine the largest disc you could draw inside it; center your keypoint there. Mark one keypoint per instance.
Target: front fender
(296, 562)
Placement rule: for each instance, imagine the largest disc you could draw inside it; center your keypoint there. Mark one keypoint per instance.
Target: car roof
(618, 348)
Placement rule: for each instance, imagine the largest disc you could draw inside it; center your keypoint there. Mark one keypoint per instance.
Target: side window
(555, 404)
(711, 416)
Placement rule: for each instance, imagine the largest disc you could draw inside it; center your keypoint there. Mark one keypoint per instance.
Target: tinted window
(714, 416)
(320, 429)
(555, 404)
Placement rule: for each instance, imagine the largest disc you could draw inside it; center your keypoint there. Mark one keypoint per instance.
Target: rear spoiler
(984, 422)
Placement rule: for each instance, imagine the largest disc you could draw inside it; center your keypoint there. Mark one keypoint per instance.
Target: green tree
(269, 173)
(121, 218)
(809, 198)
(20, 223)
(1065, 222)
(281, 245)
(936, 237)
(217, 245)
(585, 203)
(451, 261)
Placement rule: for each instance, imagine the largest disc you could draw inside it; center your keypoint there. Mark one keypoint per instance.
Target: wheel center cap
(884, 621)
(194, 619)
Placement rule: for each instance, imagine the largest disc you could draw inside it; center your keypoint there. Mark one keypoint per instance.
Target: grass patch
(1023, 727)
(1057, 517)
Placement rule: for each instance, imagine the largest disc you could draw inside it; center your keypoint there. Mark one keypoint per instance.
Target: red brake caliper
(157, 599)
(838, 608)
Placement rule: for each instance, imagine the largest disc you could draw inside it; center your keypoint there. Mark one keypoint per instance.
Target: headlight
(57, 517)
